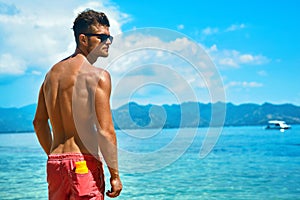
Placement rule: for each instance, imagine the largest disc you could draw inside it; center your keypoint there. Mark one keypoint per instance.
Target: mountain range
(188, 114)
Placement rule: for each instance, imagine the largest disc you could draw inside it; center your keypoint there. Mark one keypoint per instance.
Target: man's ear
(83, 39)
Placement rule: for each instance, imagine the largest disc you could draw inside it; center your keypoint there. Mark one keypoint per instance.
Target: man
(75, 97)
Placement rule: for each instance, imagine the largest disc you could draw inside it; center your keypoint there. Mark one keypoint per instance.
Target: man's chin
(103, 55)
(95, 56)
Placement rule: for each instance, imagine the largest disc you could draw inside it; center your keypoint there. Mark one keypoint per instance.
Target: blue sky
(254, 47)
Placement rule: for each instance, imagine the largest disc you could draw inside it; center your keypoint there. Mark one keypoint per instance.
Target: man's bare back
(75, 97)
(58, 90)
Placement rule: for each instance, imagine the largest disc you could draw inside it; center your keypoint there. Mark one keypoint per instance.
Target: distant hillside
(17, 119)
(133, 115)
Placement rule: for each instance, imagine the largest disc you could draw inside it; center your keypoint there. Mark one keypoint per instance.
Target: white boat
(277, 124)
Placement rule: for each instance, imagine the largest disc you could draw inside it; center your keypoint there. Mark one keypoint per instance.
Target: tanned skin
(55, 104)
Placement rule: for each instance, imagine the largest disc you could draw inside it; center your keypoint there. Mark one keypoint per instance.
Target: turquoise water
(246, 163)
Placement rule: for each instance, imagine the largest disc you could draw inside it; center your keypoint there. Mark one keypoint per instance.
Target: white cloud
(253, 59)
(262, 73)
(213, 48)
(41, 34)
(244, 84)
(11, 65)
(210, 31)
(180, 27)
(246, 58)
(235, 27)
(233, 58)
(228, 62)
(38, 73)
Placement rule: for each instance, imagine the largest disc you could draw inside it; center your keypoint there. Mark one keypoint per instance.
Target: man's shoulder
(56, 71)
(57, 67)
(103, 76)
(103, 72)
(104, 79)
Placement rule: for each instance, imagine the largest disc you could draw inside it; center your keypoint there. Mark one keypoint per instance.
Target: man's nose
(108, 41)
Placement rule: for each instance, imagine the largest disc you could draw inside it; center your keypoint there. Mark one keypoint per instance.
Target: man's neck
(89, 57)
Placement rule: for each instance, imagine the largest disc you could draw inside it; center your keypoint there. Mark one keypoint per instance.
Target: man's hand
(116, 187)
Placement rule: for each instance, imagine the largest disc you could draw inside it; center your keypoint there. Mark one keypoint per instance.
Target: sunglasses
(102, 37)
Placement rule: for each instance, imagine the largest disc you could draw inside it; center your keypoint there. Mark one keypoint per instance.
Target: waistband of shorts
(65, 156)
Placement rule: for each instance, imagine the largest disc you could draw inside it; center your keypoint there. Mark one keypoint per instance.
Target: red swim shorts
(65, 182)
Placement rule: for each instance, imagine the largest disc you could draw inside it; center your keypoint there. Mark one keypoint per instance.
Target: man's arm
(107, 135)
(40, 123)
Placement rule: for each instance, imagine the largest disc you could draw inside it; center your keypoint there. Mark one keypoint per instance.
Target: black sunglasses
(102, 37)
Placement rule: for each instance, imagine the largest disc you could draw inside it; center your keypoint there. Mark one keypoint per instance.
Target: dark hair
(84, 21)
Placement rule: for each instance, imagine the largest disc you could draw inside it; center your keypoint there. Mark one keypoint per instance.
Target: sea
(246, 162)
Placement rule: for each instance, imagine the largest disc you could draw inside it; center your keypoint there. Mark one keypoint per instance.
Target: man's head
(91, 30)
(88, 21)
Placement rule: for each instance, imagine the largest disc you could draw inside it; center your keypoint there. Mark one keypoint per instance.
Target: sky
(164, 52)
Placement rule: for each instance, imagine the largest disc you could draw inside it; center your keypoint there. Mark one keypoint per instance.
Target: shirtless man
(75, 97)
